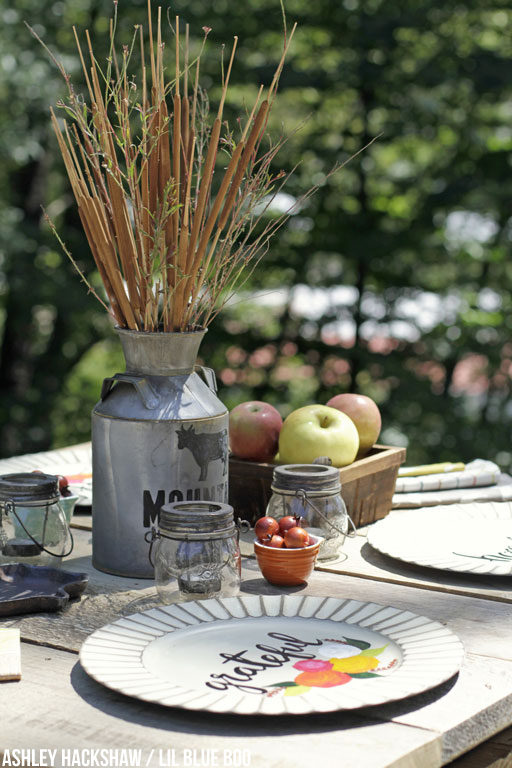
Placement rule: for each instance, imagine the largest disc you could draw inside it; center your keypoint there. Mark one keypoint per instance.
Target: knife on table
(432, 469)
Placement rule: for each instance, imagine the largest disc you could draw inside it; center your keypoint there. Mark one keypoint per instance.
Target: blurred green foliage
(393, 280)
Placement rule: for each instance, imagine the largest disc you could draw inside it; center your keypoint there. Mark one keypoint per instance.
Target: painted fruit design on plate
(337, 663)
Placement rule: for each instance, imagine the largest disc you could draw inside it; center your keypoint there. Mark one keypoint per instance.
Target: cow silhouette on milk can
(204, 447)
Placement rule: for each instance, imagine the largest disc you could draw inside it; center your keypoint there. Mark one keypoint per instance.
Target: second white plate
(468, 538)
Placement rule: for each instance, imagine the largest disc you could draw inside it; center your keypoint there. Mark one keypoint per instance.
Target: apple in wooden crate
(317, 430)
(254, 429)
(365, 414)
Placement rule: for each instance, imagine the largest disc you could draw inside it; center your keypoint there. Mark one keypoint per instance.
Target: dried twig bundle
(142, 158)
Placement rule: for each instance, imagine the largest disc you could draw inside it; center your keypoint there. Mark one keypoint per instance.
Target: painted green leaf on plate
(373, 651)
(363, 675)
(362, 644)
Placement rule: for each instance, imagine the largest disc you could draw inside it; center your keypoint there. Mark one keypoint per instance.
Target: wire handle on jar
(302, 494)
(150, 537)
(10, 507)
(243, 526)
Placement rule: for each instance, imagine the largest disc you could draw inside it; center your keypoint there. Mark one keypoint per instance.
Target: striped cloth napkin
(480, 481)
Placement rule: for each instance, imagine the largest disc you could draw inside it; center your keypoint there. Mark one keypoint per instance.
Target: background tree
(393, 280)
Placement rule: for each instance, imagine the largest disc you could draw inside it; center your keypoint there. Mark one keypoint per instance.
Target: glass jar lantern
(313, 492)
(33, 526)
(196, 552)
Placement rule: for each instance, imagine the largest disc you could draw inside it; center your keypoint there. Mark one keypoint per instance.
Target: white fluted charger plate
(468, 538)
(272, 655)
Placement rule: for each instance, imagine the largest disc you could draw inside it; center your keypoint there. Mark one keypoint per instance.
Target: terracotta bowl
(287, 567)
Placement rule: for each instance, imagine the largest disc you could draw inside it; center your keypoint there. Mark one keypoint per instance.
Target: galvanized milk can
(159, 435)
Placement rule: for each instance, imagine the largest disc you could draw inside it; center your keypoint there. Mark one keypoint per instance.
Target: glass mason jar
(196, 552)
(313, 492)
(33, 526)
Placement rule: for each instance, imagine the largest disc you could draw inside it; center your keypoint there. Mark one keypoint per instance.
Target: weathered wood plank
(504, 738)
(82, 519)
(492, 754)
(57, 706)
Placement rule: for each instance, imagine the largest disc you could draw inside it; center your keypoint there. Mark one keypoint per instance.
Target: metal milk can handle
(208, 376)
(144, 389)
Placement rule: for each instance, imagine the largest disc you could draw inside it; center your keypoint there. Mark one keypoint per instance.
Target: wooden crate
(367, 485)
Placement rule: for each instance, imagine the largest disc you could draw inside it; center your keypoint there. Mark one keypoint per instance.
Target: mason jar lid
(314, 478)
(29, 488)
(197, 520)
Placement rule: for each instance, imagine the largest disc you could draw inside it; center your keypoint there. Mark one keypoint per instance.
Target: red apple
(285, 523)
(265, 528)
(254, 429)
(64, 486)
(296, 538)
(365, 415)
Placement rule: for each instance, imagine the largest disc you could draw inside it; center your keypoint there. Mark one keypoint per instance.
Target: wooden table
(57, 706)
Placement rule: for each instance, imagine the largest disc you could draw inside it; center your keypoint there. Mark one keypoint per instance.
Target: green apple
(317, 430)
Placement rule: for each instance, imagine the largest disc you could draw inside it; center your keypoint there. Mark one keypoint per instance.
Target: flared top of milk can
(158, 353)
